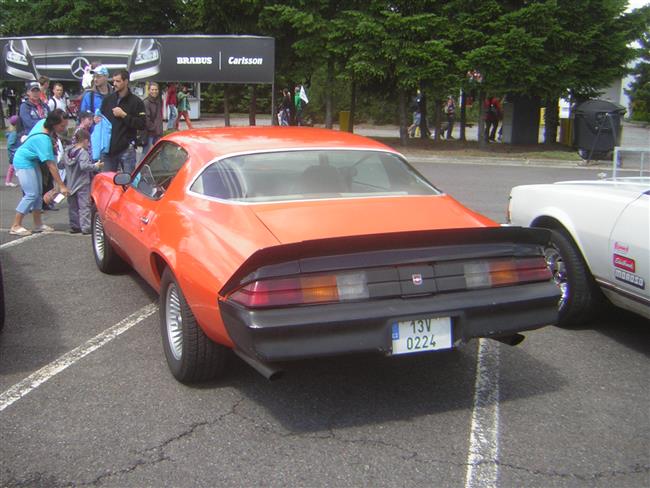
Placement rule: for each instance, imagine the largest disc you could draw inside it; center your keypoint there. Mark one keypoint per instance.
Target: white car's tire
(191, 355)
(580, 295)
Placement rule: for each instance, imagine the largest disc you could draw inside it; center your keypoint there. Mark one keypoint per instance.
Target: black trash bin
(597, 128)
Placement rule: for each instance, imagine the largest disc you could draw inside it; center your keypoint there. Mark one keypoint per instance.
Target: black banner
(219, 59)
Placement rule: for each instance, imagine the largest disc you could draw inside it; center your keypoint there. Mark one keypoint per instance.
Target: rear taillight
(503, 272)
(345, 286)
(303, 290)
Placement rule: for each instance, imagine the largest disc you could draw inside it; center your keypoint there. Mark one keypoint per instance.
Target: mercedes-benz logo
(78, 67)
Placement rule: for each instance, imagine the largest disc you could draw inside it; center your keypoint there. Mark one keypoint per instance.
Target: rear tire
(191, 355)
(580, 295)
(106, 258)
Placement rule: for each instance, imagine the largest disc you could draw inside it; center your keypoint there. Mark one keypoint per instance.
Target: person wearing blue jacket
(32, 109)
(92, 99)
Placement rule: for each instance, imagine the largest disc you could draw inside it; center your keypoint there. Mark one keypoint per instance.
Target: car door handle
(144, 220)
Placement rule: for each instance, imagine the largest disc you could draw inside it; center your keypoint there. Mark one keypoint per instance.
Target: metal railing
(643, 164)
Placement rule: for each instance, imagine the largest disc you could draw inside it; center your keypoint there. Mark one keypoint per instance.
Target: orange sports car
(287, 243)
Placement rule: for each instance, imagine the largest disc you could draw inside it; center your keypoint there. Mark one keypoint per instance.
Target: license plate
(427, 334)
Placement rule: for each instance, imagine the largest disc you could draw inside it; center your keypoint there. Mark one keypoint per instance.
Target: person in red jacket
(171, 102)
(492, 109)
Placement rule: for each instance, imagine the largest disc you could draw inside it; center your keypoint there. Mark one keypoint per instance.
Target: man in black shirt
(125, 111)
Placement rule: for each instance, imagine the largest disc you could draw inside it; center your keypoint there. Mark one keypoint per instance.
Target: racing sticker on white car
(622, 262)
(621, 247)
(631, 278)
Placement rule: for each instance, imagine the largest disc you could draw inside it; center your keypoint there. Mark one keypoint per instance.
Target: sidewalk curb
(498, 161)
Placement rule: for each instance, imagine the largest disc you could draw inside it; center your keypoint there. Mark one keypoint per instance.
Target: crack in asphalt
(156, 455)
(636, 468)
(330, 434)
(36, 479)
(148, 457)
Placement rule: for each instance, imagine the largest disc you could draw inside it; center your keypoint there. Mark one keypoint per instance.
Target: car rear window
(299, 175)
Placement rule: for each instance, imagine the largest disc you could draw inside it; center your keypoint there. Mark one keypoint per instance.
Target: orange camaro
(286, 243)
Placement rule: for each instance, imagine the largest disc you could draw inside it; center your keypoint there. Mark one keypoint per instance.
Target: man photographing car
(126, 113)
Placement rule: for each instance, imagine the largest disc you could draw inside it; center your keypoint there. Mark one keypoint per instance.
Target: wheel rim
(174, 321)
(557, 266)
(98, 238)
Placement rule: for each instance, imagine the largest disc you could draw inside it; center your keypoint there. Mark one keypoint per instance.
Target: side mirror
(122, 179)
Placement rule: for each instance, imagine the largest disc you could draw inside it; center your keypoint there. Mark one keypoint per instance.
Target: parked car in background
(600, 241)
(287, 243)
(61, 59)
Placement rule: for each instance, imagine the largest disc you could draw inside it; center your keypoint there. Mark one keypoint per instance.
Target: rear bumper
(344, 328)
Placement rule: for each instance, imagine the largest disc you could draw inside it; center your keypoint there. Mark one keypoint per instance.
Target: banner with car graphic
(219, 59)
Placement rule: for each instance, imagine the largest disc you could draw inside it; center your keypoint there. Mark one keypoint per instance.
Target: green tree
(84, 17)
(639, 91)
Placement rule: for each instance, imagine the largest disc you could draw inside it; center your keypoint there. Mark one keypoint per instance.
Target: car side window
(157, 172)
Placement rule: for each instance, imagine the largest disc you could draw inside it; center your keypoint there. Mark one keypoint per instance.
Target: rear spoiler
(373, 250)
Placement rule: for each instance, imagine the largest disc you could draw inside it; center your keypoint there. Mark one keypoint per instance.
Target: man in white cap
(93, 98)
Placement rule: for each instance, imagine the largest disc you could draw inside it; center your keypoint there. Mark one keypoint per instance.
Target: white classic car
(600, 241)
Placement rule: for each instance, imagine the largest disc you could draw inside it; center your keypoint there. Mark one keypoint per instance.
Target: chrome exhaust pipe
(510, 340)
(265, 369)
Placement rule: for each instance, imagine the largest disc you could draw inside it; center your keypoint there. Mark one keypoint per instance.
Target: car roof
(209, 144)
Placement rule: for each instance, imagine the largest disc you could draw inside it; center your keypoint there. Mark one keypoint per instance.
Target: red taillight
(503, 272)
(302, 290)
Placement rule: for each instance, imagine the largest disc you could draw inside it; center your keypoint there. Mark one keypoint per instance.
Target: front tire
(191, 356)
(106, 258)
(580, 294)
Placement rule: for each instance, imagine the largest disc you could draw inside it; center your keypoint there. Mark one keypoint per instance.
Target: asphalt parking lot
(86, 398)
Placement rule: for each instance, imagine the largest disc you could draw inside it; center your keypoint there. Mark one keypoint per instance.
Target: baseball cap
(34, 85)
(100, 70)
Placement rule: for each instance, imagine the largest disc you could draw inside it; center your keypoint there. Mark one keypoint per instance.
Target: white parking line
(39, 377)
(20, 240)
(482, 460)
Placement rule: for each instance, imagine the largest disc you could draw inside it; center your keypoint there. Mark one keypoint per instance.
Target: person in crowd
(58, 99)
(9, 97)
(183, 100)
(93, 98)
(86, 123)
(153, 109)
(125, 112)
(421, 101)
(12, 146)
(58, 140)
(171, 101)
(297, 102)
(413, 129)
(492, 108)
(450, 111)
(44, 82)
(36, 150)
(285, 108)
(32, 109)
(80, 169)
